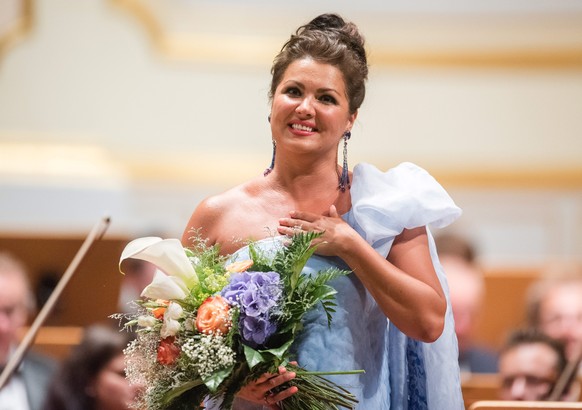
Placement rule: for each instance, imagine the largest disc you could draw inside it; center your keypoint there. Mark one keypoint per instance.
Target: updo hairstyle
(327, 39)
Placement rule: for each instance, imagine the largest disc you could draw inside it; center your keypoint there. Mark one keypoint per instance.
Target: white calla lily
(165, 287)
(168, 256)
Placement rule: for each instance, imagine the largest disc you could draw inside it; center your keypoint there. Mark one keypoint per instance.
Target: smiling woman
(370, 222)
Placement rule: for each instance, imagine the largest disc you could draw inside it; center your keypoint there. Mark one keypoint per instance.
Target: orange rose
(168, 352)
(213, 316)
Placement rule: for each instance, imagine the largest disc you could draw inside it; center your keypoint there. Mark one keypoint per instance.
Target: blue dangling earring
(270, 168)
(344, 179)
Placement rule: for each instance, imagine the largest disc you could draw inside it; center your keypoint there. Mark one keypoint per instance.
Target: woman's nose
(305, 108)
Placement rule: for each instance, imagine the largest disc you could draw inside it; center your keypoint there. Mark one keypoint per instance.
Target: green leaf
(213, 382)
(178, 391)
(297, 253)
(280, 351)
(323, 292)
(253, 356)
(260, 262)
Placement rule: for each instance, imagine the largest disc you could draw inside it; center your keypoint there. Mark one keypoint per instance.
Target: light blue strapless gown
(401, 373)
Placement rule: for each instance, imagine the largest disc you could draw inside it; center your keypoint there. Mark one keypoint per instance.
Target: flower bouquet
(206, 327)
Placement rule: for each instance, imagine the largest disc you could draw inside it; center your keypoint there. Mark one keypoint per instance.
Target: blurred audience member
(138, 274)
(455, 245)
(555, 306)
(93, 376)
(467, 292)
(26, 388)
(530, 364)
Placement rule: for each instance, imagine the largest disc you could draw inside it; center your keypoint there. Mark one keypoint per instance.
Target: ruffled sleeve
(405, 197)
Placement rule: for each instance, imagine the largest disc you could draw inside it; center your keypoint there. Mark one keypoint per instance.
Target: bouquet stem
(317, 393)
(307, 373)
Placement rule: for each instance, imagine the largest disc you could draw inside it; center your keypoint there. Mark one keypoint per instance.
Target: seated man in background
(27, 387)
(530, 364)
(467, 292)
(555, 307)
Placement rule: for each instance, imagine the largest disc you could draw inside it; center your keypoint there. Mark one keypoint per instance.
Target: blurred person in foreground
(530, 364)
(93, 376)
(27, 386)
(554, 306)
(467, 293)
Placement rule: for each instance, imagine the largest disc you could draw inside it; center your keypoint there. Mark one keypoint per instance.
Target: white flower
(174, 311)
(170, 327)
(175, 276)
(146, 321)
(165, 287)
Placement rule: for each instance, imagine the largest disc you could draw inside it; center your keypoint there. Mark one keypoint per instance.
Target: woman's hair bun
(325, 22)
(347, 31)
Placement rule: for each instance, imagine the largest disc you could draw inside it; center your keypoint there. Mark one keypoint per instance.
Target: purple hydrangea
(256, 330)
(256, 294)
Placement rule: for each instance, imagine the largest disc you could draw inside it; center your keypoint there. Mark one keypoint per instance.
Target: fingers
(308, 222)
(280, 396)
(283, 377)
(333, 212)
(305, 221)
(264, 377)
(291, 226)
(267, 389)
(285, 229)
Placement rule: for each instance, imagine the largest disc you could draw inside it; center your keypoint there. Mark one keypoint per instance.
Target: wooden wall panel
(504, 306)
(91, 295)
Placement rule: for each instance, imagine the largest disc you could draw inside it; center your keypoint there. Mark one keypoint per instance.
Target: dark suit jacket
(478, 360)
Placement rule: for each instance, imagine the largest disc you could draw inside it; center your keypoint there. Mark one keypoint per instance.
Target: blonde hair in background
(556, 273)
(10, 266)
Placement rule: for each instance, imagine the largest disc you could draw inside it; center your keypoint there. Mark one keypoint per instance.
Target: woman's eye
(328, 99)
(294, 91)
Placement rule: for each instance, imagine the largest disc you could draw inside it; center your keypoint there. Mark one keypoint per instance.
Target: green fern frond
(260, 262)
(292, 259)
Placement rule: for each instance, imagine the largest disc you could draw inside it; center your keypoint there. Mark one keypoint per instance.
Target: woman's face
(310, 107)
(112, 390)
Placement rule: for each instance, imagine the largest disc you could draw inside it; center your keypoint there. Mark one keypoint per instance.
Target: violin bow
(95, 234)
(565, 379)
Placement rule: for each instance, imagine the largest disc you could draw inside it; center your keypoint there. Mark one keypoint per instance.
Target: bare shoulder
(209, 213)
(221, 217)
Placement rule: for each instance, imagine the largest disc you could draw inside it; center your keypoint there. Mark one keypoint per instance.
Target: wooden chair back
(479, 386)
(517, 405)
